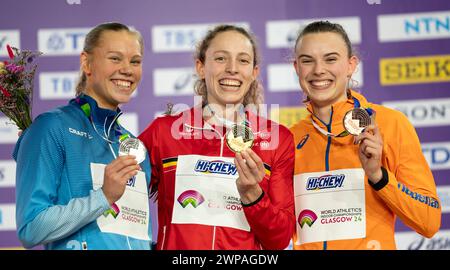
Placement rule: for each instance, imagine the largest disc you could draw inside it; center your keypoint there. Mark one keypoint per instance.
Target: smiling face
(228, 68)
(324, 67)
(113, 68)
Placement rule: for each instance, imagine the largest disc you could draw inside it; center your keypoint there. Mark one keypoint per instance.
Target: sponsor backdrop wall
(404, 46)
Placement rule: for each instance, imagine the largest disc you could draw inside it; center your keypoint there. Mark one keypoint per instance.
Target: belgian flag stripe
(169, 162)
(267, 169)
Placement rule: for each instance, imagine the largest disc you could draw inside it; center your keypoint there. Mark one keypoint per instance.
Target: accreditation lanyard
(86, 108)
(344, 133)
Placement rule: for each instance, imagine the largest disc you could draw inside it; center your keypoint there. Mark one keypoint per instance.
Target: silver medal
(133, 146)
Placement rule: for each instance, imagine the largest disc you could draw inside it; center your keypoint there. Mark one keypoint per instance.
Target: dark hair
(324, 27)
(92, 40)
(254, 95)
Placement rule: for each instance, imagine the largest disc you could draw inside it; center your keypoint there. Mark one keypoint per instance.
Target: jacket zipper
(221, 155)
(327, 158)
(214, 238)
(164, 238)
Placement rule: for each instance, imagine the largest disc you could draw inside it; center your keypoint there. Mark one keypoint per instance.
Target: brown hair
(255, 94)
(92, 40)
(324, 27)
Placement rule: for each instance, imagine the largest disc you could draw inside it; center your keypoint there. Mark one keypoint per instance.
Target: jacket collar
(338, 111)
(97, 114)
(193, 118)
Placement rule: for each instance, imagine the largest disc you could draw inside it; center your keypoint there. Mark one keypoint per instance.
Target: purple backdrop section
(30, 16)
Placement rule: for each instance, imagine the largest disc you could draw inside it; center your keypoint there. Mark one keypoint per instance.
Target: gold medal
(239, 138)
(356, 120)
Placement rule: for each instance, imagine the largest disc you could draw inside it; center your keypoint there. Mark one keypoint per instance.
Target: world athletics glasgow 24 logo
(192, 197)
(306, 216)
(113, 210)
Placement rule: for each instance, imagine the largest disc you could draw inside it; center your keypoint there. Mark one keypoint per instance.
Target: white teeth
(230, 82)
(122, 83)
(320, 83)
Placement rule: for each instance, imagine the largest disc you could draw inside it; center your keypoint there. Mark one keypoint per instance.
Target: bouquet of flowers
(16, 86)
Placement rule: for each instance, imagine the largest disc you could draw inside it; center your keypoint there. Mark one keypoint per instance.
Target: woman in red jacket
(358, 165)
(223, 174)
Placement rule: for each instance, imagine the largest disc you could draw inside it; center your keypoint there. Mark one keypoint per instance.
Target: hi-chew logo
(215, 166)
(131, 182)
(306, 217)
(325, 181)
(192, 197)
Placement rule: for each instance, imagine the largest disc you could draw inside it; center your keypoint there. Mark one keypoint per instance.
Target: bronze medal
(356, 120)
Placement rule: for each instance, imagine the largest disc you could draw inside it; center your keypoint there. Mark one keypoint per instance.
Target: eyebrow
(227, 52)
(140, 55)
(326, 55)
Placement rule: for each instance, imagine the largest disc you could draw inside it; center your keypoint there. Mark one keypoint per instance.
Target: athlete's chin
(122, 98)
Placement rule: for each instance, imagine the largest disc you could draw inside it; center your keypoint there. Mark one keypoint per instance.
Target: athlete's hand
(116, 176)
(251, 171)
(370, 152)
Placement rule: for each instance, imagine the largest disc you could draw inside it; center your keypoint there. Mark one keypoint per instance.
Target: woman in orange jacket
(358, 165)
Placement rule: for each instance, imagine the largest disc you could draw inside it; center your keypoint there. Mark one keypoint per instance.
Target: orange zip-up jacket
(407, 189)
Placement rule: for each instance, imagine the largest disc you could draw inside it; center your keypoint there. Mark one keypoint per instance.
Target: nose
(126, 69)
(231, 66)
(318, 68)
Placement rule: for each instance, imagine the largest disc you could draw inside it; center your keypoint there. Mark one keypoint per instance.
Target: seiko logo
(80, 133)
(423, 69)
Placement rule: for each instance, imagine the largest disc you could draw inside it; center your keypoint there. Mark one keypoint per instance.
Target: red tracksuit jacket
(271, 219)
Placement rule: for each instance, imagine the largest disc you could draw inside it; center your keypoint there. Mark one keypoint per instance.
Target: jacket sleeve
(40, 162)
(272, 218)
(409, 190)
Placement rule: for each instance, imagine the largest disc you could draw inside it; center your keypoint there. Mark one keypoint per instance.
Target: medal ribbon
(344, 133)
(86, 108)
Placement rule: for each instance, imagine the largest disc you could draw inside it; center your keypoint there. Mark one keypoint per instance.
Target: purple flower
(13, 68)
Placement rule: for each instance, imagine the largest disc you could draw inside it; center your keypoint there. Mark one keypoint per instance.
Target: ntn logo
(427, 25)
